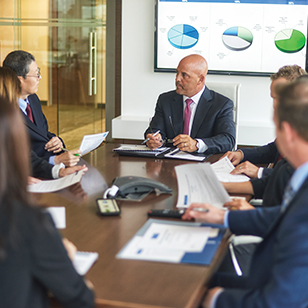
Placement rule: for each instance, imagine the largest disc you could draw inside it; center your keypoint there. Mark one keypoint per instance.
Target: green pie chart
(290, 40)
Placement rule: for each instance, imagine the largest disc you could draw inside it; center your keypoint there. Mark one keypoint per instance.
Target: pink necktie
(187, 114)
(29, 112)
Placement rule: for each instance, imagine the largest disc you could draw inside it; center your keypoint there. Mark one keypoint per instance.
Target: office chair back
(232, 91)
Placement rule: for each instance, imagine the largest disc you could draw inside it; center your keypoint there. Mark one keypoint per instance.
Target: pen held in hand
(199, 209)
(66, 150)
(146, 140)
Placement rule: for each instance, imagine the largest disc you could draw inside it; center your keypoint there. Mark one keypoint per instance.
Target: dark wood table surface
(118, 282)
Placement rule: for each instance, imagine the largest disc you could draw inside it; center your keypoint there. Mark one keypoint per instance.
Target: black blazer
(38, 131)
(279, 267)
(213, 121)
(270, 188)
(40, 167)
(38, 263)
(266, 154)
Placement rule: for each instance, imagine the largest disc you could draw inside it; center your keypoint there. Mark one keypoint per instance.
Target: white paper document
(58, 216)
(166, 243)
(222, 169)
(184, 155)
(56, 184)
(91, 142)
(198, 183)
(83, 261)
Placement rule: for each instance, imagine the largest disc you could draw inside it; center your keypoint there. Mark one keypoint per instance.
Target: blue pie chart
(183, 36)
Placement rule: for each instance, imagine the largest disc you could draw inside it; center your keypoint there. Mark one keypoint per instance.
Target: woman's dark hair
(14, 166)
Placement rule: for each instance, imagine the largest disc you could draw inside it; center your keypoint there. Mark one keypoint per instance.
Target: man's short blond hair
(289, 72)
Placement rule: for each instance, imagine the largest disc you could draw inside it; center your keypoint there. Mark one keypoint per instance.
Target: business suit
(270, 188)
(38, 131)
(40, 167)
(262, 155)
(213, 121)
(36, 263)
(279, 268)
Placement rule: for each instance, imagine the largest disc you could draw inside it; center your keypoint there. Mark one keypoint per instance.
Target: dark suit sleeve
(252, 222)
(40, 167)
(262, 155)
(267, 171)
(222, 136)
(158, 122)
(283, 283)
(53, 268)
(38, 132)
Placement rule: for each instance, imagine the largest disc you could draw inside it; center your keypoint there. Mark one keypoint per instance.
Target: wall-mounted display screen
(235, 37)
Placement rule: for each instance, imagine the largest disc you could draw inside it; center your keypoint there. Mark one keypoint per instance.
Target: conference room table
(120, 282)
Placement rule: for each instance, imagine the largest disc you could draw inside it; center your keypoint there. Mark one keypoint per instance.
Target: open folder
(175, 242)
(163, 152)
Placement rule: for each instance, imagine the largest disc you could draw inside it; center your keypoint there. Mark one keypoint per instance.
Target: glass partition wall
(67, 39)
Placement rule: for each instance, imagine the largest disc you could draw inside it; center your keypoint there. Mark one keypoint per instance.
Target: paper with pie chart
(255, 37)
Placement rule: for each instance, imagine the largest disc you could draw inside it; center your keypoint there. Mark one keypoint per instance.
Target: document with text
(176, 242)
(198, 183)
(222, 169)
(91, 142)
(49, 186)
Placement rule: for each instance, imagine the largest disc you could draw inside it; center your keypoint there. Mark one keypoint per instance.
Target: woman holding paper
(33, 260)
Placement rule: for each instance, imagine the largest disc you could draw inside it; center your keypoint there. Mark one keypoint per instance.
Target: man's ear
(201, 79)
(290, 133)
(21, 79)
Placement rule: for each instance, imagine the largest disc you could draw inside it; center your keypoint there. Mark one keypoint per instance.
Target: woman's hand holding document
(223, 168)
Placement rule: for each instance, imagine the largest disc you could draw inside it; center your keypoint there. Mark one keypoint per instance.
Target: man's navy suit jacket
(279, 268)
(40, 167)
(38, 131)
(213, 121)
(263, 155)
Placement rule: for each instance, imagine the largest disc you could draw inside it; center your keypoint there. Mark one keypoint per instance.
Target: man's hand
(54, 145)
(214, 215)
(247, 168)
(235, 157)
(69, 158)
(209, 295)
(66, 171)
(238, 204)
(154, 142)
(185, 143)
(32, 180)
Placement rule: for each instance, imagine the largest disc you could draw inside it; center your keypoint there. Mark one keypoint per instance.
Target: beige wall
(30, 37)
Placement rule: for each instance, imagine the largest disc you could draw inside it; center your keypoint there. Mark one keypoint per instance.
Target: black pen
(171, 123)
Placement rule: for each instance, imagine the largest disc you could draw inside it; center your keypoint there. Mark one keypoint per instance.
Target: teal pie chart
(183, 36)
(237, 38)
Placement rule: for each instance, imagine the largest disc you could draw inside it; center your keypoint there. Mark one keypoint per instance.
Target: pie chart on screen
(183, 36)
(290, 40)
(237, 38)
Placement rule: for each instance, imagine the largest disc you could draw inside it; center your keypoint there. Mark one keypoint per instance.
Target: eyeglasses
(38, 76)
